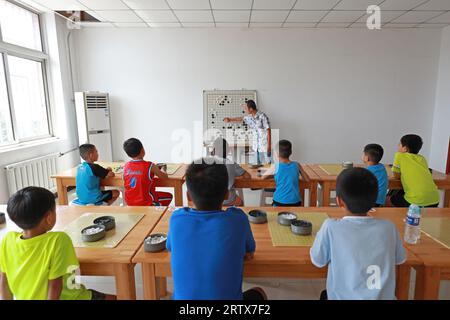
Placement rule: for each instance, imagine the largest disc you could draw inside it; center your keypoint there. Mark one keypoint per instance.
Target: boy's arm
(5, 292)
(236, 119)
(158, 172)
(55, 288)
(250, 244)
(396, 166)
(101, 172)
(320, 250)
(240, 172)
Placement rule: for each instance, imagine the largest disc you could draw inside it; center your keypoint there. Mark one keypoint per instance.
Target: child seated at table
(287, 175)
(88, 179)
(372, 155)
(361, 252)
(37, 264)
(139, 178)
(208, 245)
(412, 169)
(220, 151)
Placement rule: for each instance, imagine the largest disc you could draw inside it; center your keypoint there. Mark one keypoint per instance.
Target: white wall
(63, 111)
(329, 91)
(441, 124)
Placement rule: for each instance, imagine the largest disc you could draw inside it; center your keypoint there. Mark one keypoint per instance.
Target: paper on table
(125, 222)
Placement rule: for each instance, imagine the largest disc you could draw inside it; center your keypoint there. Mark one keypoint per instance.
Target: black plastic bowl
(92, 237)
(301, 227)
(155, 247)
(107, 221)
(2, 218)
(284, 220)
(257, 216)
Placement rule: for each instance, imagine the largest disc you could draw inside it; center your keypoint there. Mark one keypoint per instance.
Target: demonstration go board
(125, 222)
(282, 235)
(220, 104)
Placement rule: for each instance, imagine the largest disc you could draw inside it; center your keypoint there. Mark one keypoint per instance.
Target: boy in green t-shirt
(412, 169)
(37, 264)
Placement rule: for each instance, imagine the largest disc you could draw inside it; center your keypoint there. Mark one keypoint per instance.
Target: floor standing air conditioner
(94, 124)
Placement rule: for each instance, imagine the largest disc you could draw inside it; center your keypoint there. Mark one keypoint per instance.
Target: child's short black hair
(374, 152)
(85, 149)
(358, 188)
(413, 142)
(207, 183)
(251, 104)
(28, 206)
(284, 149)
(132, 147)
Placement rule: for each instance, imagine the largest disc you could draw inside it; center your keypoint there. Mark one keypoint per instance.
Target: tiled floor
(289, 289)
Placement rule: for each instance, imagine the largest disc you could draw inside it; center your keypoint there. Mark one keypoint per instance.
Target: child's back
(208, 245)
(416, 178)
(287, 177)
(361, 254)
(208, 249)
(372, 155)
(139, 183)
(139, 178)
(89, 175)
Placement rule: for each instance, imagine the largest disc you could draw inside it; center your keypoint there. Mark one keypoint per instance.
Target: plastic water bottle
(412, 224)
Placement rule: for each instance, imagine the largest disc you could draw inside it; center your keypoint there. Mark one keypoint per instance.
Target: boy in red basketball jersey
(139, 178)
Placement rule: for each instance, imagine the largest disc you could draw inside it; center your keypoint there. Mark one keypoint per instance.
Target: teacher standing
(259, 123)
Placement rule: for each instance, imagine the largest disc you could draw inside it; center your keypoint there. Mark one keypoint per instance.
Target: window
(24, 109)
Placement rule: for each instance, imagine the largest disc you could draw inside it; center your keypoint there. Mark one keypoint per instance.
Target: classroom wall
(330, 91)
(63, 111)
(441, 123)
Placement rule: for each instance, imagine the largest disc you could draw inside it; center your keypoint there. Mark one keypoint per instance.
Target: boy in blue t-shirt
(88, 179)
(371, 157)
(286, 174)
(361, 252)
(208, 245)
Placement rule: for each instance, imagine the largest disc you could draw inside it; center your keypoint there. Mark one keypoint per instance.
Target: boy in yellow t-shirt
(416, 178)
(37, 264)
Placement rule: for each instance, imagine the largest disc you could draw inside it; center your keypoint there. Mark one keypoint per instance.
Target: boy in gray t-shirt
(220, 152)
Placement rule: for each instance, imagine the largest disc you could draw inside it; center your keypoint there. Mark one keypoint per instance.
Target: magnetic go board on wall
(220, 104)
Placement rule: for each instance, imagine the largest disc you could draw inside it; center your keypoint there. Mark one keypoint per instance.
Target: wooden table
(434, 256)
(269, 261)
(68, 179)
(316, 175)
(106, 261)
(256, 182)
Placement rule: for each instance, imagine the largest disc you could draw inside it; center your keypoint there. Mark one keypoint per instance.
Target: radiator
(33, 172)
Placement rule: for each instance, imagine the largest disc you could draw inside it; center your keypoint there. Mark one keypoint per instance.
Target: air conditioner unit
(94, 123)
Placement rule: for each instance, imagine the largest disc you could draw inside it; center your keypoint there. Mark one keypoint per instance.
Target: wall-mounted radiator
(33, 172)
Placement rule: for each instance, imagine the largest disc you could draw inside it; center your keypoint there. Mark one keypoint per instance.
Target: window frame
(9, 49)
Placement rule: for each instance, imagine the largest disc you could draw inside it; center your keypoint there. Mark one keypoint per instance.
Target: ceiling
(254, 13)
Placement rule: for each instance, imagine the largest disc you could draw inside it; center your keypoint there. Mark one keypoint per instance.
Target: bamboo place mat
(282, 235)
(438, 229)
(172, 168)
(331, 169)
(125, 222)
